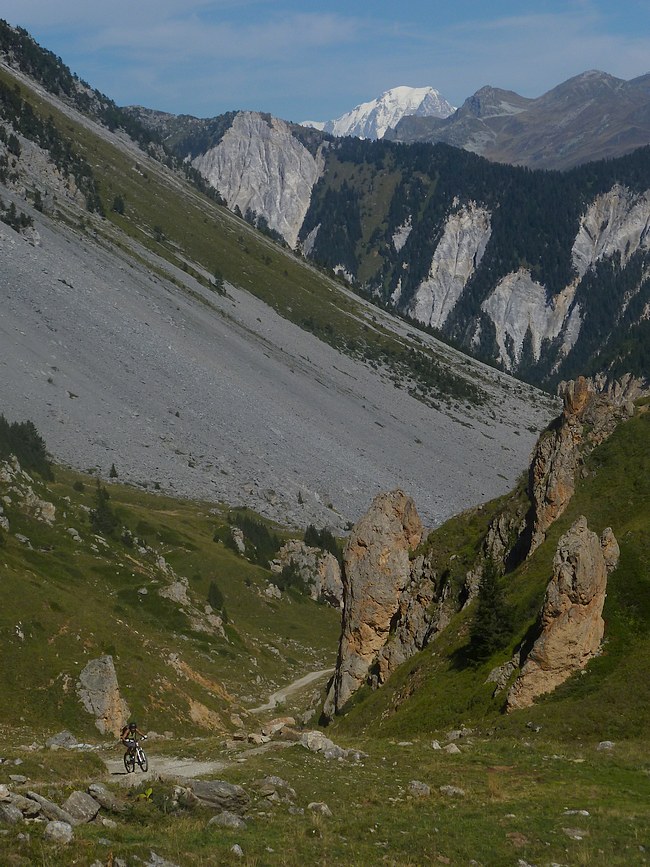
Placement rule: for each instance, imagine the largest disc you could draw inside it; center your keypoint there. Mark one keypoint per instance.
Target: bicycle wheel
(129, 762)
(142, 759)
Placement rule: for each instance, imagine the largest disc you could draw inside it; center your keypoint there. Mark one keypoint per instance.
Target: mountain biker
(129, 736)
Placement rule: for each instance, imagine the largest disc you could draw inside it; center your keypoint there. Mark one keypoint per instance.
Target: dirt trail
(278, 697)
(174, 767)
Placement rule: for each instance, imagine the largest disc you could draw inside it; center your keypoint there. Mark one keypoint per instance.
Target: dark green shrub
(103, 519)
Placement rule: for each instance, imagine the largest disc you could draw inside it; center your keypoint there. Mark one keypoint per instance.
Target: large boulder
(58, 832)
(99, 692)
(377, 569)
(106, 798)
(219, 795)
(571, 626)
(81, 807)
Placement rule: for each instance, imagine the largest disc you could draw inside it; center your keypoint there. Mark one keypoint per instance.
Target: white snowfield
(372, 119)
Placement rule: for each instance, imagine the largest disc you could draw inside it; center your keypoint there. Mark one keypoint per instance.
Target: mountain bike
(135, 755)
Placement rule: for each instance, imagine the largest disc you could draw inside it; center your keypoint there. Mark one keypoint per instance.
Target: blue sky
(305, 60)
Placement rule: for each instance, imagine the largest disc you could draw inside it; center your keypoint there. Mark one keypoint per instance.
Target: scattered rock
(106, 798)
(81, 807)
(228, 820)
(155, 860)
(220, 795)
(63, 739)
(18, 778)
(51, 810)
(452, 791)
(452, 749)
(418, 789)
(10, 814)
(30, 809)
(606, 745)
(58, 832)
(320, 808)
(275, 789)
(237, 850)
(276, 725)
(316, 742)
(575, 833)
(435, 745)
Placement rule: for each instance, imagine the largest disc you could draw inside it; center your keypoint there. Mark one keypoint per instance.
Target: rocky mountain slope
(478, 252)
(590, 117)
(374, 118)
(166, 336)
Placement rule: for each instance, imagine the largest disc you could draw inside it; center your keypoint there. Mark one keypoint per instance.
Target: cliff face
(507, 264)
(259, 165)
(458, 254)
(592, 409)
(571, 624)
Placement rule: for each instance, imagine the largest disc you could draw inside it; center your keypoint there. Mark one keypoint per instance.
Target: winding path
(278, 697)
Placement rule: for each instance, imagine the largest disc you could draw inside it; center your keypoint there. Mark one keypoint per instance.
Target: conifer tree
(492, 625)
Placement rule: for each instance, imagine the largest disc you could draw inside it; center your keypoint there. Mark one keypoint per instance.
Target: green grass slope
(64, 602)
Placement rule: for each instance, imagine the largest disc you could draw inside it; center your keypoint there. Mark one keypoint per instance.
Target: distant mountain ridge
(372, 119)
(478, 251)
(589, 117)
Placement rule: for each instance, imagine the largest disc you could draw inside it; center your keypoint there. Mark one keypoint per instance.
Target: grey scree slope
(227, 401)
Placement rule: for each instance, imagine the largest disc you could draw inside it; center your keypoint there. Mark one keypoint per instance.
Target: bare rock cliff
(260, 165)
(592, 410)
(377, 569)
(571, 620)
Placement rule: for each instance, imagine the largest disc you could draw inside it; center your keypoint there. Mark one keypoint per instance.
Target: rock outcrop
(521, 311)
(377, 569)
(99, 692)
(259, 165)
(319, 570)
(592, 410)
(424, 609)
(456, 258)
(571, 620)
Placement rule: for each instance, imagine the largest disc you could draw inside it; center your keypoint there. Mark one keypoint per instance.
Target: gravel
(221, 399)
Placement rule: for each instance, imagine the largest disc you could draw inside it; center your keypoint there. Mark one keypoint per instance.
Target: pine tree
(492, 625)
(103, 519)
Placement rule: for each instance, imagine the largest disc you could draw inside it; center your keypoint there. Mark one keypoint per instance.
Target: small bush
(103, 519)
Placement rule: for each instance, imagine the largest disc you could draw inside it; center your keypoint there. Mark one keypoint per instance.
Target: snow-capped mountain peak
(372, 119)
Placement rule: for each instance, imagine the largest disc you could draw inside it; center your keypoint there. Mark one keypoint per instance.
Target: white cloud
(204, 57)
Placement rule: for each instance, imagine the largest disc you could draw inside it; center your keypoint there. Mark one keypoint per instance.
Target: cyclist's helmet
(133, 726)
